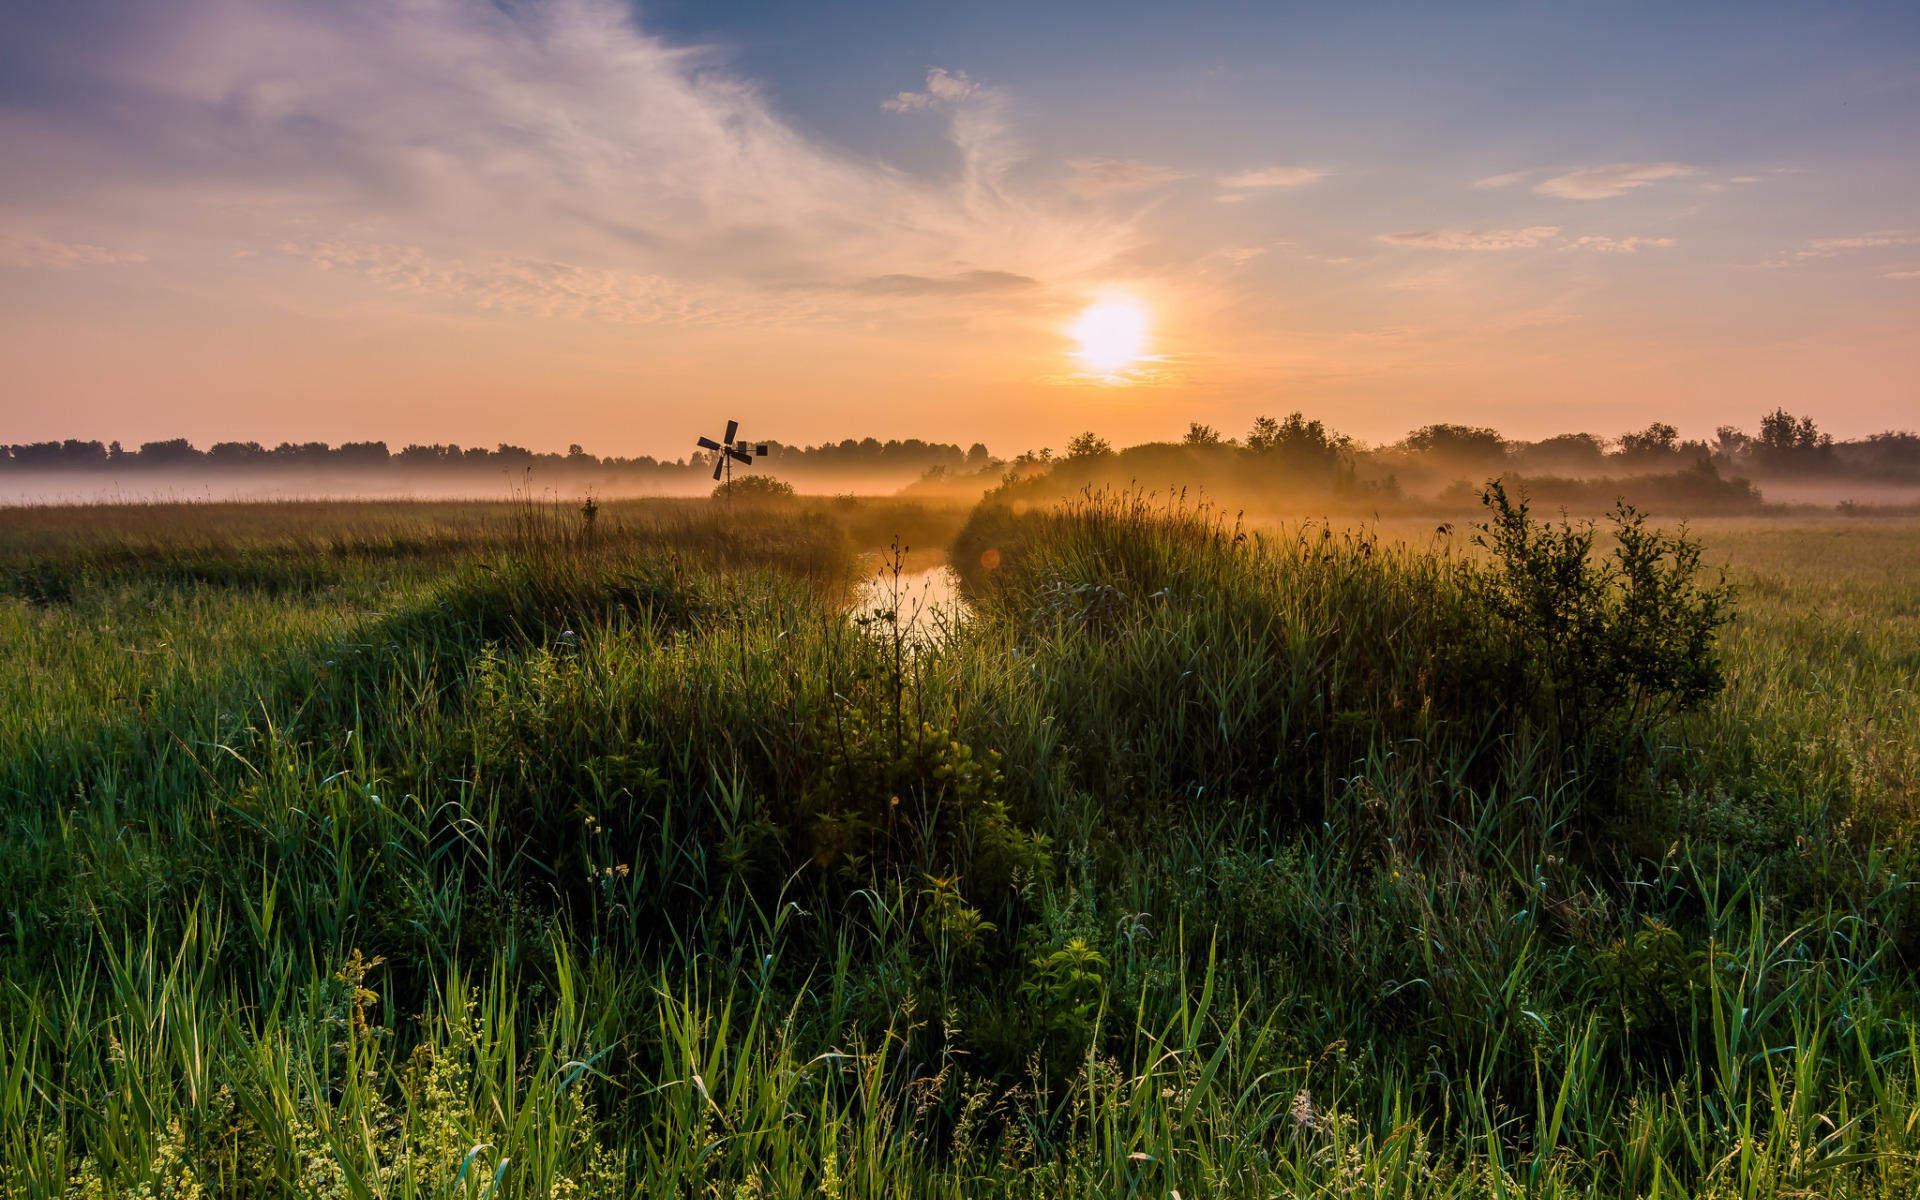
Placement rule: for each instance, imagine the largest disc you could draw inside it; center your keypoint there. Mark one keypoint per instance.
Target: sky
(557, 221)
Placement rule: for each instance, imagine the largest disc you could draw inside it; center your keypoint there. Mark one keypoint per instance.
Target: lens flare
(1112, 334)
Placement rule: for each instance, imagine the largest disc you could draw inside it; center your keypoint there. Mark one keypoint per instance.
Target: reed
(497, 857)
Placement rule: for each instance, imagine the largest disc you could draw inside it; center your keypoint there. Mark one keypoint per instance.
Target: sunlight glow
(1112, 334)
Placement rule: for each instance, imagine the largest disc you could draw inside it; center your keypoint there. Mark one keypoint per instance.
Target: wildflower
(1302, 1112)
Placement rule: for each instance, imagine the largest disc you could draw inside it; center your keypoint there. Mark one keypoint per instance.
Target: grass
(446, 850)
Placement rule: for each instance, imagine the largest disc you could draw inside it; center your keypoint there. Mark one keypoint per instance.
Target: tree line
(1783, 444)
(911, 454)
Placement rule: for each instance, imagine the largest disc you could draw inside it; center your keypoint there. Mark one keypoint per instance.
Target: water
(928, 599)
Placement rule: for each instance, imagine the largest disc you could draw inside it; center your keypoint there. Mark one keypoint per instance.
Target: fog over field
(1288, 466)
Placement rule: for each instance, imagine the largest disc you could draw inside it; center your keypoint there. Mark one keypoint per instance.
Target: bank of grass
(545, 862)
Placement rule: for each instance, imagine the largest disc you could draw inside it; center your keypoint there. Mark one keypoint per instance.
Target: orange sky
(437, 222)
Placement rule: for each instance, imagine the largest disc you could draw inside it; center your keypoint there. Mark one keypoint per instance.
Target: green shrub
(754, 490)
(1608, 646)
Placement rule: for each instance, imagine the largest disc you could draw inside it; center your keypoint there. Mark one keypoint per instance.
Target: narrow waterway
(927, 600)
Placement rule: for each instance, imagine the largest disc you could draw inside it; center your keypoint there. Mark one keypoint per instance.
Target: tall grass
(550, 863)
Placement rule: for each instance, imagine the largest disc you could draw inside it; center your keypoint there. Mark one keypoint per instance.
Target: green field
(388, 850)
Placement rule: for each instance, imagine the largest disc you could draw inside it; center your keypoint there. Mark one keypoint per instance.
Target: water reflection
(927, 600)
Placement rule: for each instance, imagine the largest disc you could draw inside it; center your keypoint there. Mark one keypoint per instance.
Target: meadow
(462, 850)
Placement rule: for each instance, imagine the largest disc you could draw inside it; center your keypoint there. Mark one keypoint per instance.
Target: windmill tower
(731, 451)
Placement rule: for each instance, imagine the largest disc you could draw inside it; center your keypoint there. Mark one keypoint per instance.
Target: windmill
(730, 451)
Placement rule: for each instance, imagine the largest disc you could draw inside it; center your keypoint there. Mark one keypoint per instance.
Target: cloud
(1828, 247)
(1473, 239)
(942, 88)
(964, 284)
(1500, 181)
(1240, 256)
(47, 254)
(1425, 281)
(1099, 177)
(1273, 177)
(545, 157)
(1230, 198)
(1901, 275)
(520, 286)
(1619, 245)
(1745, 179)
(1599, 183)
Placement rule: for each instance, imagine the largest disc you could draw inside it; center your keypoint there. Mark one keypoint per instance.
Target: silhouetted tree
(1790, 443)
(1658, 438)
(172, 452)
(1467, 442)
(1297, 437)
(1728, 442)
(233, 454)
(1566, 451)
(1089, 445)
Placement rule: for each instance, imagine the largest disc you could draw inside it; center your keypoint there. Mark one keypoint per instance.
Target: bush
(1607, 646)
(754, 489)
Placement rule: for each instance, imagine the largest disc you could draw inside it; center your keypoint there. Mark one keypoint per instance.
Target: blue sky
(369, 218)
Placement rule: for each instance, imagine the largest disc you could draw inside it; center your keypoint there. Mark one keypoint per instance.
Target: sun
(1112, 334)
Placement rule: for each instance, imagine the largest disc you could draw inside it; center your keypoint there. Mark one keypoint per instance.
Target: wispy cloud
(529, 287)
(47, 254)
(1828, 247)
(1600, 183)
(1901, 275)
(943, 87)
(967, 283)
(1500, 181)
(1473, 239)
(1268, 177)
(1626, 245)
(546, 157)
(1102, 176)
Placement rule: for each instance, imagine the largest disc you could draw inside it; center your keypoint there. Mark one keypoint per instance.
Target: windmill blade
(718, 465)
(707, 443)
(745, 458)
(733, 427)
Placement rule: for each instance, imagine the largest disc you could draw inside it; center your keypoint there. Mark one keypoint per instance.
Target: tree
(1781, 431)
(1296, 436)
(1657, 438)
(1566, 451)
(1200, 435)
(168, 453)
(1089, 445)
(1787, 442)
(1457, 441)
(235, 453)
(362, 453)
(1264, 435)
